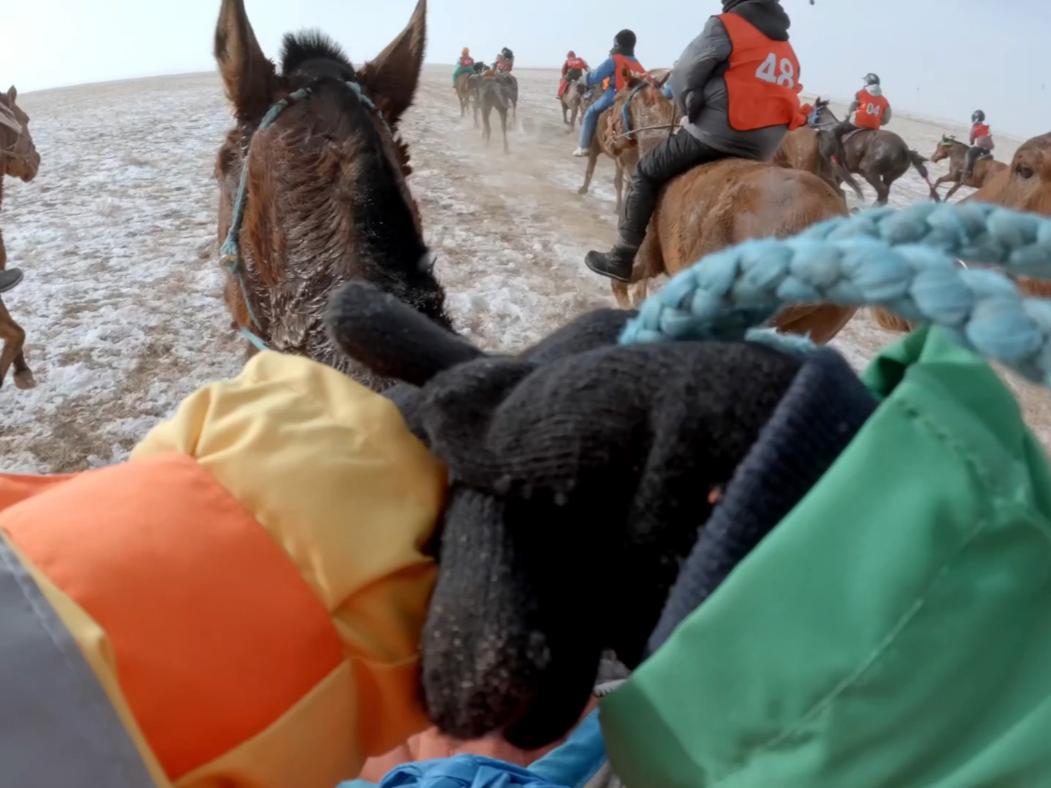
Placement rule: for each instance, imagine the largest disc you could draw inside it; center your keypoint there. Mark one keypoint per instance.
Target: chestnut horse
(985, 169)
(19, 159)
(324, 198)
(813, 150)
(1023, 186)
(725, 203)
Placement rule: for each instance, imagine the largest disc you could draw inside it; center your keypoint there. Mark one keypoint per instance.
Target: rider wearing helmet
(869, 110)
(611, 75)
(981, 143)
(573, 68)
(737, 88)
(505, 61)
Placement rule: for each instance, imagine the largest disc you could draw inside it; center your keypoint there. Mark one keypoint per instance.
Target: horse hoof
(582, 191)
(24, 380)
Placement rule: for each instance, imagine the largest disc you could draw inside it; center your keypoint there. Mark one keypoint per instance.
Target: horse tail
(920, 164)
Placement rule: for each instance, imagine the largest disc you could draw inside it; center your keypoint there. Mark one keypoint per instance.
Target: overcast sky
(941, 58)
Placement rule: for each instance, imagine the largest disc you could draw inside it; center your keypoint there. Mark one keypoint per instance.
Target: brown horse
(326, 198)
(1024, 186)
(985, 169)
(463, 92)
(618, 141)
(725, 203)
(495, 94)
(880, 157)
(19, 159)
(813, 150)
(572, 101)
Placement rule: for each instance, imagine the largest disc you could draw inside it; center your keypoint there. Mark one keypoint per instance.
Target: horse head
(18, 153)
(1026, 184)
(944, 148)
(315, 174)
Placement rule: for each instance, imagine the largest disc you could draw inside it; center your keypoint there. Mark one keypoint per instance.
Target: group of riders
(503, 63)
(736, 88)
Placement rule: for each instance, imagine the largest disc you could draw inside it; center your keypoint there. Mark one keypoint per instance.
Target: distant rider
(611, 76)
(505, 61)
(869, 110)
(573, 68)
(465, 65)
(981, 143)
(737, 87)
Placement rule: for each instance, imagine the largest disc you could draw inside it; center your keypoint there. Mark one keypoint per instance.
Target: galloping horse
(19, 159)
(985, 169)
(463, 91)
(880, 157)
(617, 138)
(494, 94)
(724, 203)
(312, 182)
(572, 100)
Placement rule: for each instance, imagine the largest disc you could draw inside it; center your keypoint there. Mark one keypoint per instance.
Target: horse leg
(13, 339)
(956, 187)
(884, 193)
(875, 180)
(589, 172)
(618, 184)
(503, 123)
(487, 129)
(937, 185)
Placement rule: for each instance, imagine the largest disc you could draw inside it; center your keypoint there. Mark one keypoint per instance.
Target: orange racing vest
(762, 80)
(622, 63)
(870, 110)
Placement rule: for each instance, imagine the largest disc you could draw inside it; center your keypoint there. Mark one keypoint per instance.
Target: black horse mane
(313, 46)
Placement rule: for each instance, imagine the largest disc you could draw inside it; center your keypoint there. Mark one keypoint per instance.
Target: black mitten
(580, 475)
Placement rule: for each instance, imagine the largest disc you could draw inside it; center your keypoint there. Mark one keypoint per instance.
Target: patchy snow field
(122, 297)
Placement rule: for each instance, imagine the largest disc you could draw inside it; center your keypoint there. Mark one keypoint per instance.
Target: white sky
(940, 58)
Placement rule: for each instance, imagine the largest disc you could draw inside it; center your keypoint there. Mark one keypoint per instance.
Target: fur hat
(624, 42)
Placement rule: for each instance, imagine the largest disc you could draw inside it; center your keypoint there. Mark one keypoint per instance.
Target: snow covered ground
(122, 297)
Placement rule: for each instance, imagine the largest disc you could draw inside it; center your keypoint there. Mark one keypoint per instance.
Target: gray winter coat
(699, 85)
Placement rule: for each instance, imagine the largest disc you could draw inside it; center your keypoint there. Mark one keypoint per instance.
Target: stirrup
(10, 279)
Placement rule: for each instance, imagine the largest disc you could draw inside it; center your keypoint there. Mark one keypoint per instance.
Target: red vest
(575, 64)
(870, 110)
(622, 63)
(467, 61)
(762, 80)
(980, 130)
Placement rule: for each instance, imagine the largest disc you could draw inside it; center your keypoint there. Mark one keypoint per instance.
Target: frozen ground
(122, 295)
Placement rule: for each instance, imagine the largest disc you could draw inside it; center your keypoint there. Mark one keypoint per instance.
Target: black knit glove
(580, 473)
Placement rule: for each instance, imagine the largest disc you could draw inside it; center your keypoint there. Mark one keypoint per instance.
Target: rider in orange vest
(737, 86)
(981, 143)
(505, 61)
(465, 65)
(610, 75)
(573, 68)
(869, 110)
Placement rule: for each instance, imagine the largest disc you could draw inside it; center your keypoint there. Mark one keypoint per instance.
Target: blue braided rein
(230, 253)
(902, 260)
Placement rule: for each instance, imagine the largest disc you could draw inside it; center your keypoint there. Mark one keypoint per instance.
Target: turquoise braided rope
(902, 260)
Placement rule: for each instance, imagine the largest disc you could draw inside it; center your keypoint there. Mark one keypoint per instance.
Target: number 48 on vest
(768, 71)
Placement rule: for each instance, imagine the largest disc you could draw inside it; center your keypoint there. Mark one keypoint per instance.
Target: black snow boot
(616, 264)
(9, 279)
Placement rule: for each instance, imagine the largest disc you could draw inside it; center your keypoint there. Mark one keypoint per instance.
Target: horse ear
(12, 94)
(249, 77)
(391, 78)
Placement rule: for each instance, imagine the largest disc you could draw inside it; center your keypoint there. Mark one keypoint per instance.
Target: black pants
(681, 153)
(843, 128)
(973, 156)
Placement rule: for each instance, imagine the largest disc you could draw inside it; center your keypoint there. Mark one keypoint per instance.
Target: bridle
(230, 257)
